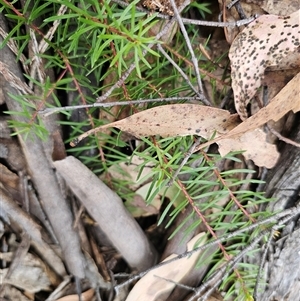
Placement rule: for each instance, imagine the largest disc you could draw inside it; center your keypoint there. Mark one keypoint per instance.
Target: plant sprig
(93, 46)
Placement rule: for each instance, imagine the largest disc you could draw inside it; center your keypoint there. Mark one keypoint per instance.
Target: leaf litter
(266, 42)
(175, 120)
(207, 122)
(286, 100)
(230, 133)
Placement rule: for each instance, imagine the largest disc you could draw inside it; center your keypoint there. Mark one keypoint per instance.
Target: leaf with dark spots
(268, 40)
(174, 120)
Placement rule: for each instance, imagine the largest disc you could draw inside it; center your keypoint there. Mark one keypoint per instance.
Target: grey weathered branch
(281, 271)
(42, 174)
(107, 208)
(11, 212)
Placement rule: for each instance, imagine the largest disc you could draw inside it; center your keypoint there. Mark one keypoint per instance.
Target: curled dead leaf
(261, 152)
(155, 283)
(264, 43)
(286, 100)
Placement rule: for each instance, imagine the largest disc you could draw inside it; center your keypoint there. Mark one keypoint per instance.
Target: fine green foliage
(92, 47)
(208, 193)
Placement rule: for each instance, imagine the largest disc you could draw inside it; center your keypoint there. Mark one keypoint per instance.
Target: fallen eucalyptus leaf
(174, 120)
(190, 119)
(155, 285)
(264, 43)
(286, 100)
(261, 152)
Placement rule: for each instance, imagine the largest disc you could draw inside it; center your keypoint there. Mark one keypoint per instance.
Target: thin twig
(237, 23)
(282, 138)
(160, 48)
(215, 280)
(191, 50)
(118, 84)
(57, 292)
(239, 10)
(237, 258)
(232, 3)
(48, 111)
(195, 22)
(186, 287)
(133, 65)
(284, 215)
(160, 34)
(230, 265)
(183, 162)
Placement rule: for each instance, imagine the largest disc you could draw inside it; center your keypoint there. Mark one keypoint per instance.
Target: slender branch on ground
(282, 138)
(191, 50)
(160, 48)
(237, 23)
(285, 216)
(48, 111)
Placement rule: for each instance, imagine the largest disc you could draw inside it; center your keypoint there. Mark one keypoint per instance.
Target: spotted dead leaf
(174, 120)
(264, 43)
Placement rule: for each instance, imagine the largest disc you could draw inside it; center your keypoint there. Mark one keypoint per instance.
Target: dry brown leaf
(30, 275)
(288, 99)
(255, 145)
(174, 120)
(178, 120)
(154, 284)
(264, 43)
(86, 296)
